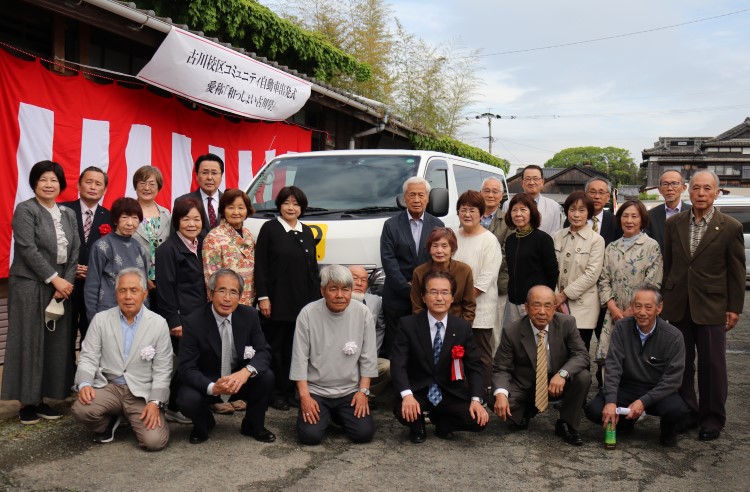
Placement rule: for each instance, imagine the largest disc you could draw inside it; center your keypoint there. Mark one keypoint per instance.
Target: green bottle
(610, 437)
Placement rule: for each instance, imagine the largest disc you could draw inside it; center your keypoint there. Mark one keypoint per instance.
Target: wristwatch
(159, 404)
(366, 391)
(564, 374)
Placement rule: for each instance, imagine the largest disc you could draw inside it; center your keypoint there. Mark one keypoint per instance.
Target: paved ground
(59, 455)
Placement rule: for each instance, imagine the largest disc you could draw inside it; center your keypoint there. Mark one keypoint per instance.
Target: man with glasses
(532, 182)
(224, 357)
(209, 169)
(671, 187)
(435, 366)
(603, 221)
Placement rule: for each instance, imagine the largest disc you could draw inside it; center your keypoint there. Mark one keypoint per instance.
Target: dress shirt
(85, 207)
(536, 344)
(600, 219)
(645, 336)
(433, 330)
(486, 220)
(698, 228)
(416, 229)
(673, 211)
(214, 203)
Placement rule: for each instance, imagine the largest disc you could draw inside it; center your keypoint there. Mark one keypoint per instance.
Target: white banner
(217, 76)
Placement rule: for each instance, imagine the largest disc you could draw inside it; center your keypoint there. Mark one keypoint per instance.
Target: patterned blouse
(225, 248)
(625, 268)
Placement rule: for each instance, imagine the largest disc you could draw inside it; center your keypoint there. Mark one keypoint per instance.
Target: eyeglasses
(470, 210)
(225, 292)
(213, 174)
(597, 193)
(670, 184)
(532, 179)
(436, 293)
(488, 191)
(148, 184)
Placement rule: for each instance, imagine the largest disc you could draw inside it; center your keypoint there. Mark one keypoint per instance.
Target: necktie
(211, 214)
(226, 353)
(542, 400)
(595, 226)
(87, 225)
(434, 394)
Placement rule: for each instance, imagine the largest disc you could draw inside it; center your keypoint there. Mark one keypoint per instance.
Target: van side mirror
(439, 201)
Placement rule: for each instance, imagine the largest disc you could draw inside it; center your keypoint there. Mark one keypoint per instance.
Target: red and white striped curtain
(80, 123)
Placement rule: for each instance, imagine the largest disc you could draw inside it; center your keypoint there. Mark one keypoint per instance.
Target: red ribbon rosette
(105, 229)
(457, 367)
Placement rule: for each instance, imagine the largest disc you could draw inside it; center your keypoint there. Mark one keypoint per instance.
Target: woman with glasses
(478, 248)
(180, 287)
(580, 255)
(155, 225)
(442, 245)
(530, 254)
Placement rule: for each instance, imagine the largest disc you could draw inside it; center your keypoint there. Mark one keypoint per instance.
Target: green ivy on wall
(460, 149)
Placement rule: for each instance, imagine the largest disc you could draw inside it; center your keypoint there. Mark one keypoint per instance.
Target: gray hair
(597, 178)
(222, 272)
(647, 287)
(336, 275)
(417, 180)
(493, 178)
(705, 171)
(133, 271)
(682, 178)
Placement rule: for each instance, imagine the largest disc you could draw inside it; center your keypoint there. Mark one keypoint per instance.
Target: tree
(616, 163)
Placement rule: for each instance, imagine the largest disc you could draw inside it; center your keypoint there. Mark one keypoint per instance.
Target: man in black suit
(550, 341)
(92, 183)
(671, 187)
(435, 366)
(402, 249)
(209, 169)
(224, 356)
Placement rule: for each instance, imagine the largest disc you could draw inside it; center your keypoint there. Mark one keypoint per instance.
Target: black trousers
(573, 397)
(79, 321)
(359, 430)
(280, 336)
(451, 414)
(194, 404)
(672, 409)
(392, 316)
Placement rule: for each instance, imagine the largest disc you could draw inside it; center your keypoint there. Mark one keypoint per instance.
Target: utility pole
(490, 117)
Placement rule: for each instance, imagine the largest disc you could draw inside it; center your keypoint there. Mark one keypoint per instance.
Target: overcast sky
(692, 80)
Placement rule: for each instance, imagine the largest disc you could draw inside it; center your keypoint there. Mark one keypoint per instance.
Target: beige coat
(580, 256)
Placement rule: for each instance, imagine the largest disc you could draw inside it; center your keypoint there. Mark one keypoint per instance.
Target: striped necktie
(542, 399)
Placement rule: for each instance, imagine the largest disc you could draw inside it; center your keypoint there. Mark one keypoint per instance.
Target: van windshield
(350, 183)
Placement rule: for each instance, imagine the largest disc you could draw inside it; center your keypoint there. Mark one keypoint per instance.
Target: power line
(605, 38)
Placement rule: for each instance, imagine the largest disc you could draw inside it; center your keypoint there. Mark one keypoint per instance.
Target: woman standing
(530, 253)
(580, 256)
(112, 253)
(230, 244)
(478, 248)
(286, 279)
(179, 281)
(38, 354)
(155, 225)
(628, 261)
(442, 245)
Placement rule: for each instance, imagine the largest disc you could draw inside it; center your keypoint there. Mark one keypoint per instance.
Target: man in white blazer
(125, 367)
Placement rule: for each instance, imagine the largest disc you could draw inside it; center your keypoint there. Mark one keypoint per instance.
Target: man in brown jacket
(704, 292)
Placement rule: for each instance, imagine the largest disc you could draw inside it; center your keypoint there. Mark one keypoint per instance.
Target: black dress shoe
(197, 437)
(708, 434)
(564, 430)
(668, 437)
(443, 434)
(522, 425)
(263, 436)
(625, 427)
(689, 424)
(280, 404)
(418, 433)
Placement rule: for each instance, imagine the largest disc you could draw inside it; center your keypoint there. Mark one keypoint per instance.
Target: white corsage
(350, 348)
(249, 352)
(148, 353)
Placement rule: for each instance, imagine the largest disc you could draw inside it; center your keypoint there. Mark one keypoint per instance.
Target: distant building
(728, 155)
(559, 182)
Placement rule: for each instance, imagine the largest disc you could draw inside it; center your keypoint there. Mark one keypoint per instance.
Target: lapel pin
(717, 228)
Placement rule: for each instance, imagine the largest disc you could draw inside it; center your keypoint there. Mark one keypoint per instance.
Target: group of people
(185, 315)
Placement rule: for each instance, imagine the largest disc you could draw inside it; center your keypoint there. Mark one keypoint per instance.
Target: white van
(351, 193)
(739, 208)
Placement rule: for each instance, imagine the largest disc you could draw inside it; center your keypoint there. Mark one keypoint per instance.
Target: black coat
(531, 261)
(286, 269)
(657, 222)
(180, 285)
(200, 347)
(101, 216)
(412, 362)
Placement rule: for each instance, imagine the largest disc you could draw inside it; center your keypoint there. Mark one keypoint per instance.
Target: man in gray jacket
(125, 367)
(643, 370)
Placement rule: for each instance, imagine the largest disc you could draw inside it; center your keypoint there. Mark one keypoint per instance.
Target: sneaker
(176, 416)
(28, 415)
(109, 433)
(44, 411)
